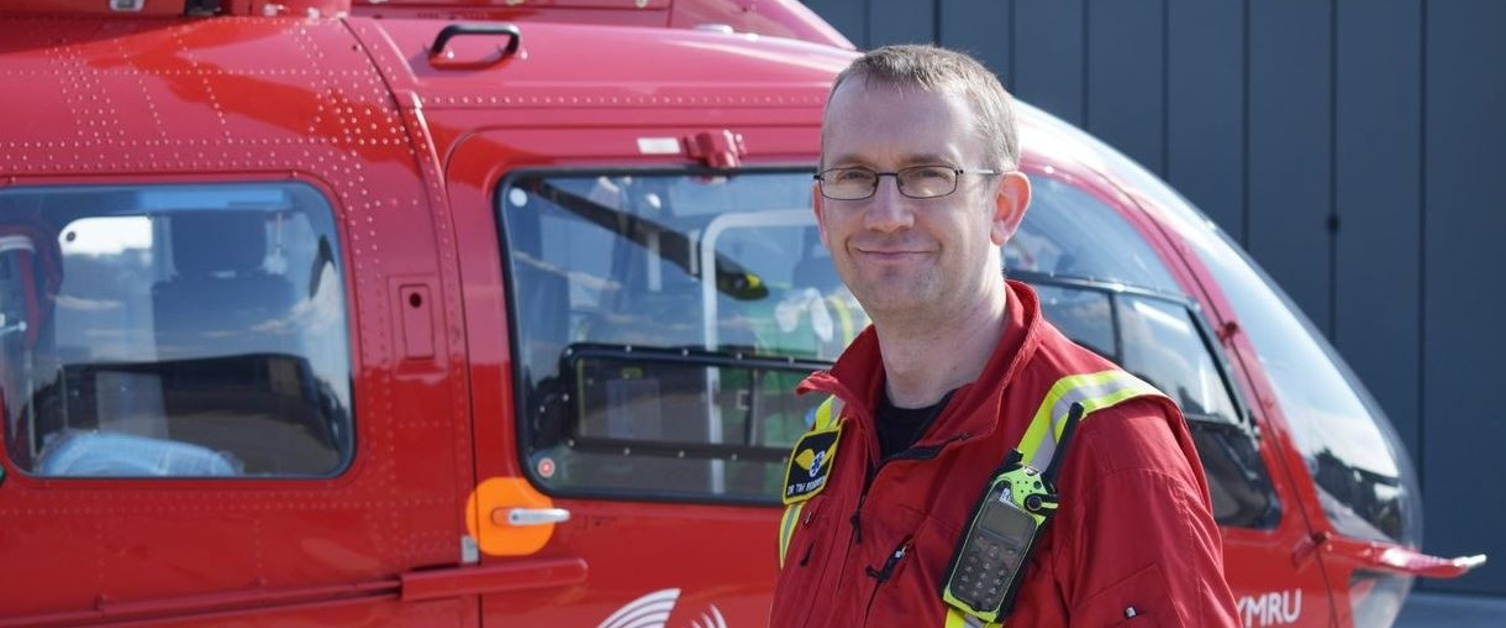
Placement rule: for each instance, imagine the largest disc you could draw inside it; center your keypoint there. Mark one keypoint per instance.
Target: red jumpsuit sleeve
(1139, 546)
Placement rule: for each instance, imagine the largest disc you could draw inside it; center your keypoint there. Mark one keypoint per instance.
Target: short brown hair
(936, 69)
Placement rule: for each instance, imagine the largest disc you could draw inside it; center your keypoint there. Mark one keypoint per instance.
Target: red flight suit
(1133, 541)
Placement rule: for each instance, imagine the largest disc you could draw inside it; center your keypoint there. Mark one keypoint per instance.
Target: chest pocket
(798, 534)
(904, 581)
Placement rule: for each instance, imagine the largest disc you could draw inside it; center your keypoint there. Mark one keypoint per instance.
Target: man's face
(906, 258)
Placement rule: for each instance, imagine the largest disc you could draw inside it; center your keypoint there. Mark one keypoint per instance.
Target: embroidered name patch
(810, 465)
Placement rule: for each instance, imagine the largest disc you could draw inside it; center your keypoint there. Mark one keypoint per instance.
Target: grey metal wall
(1356, 148)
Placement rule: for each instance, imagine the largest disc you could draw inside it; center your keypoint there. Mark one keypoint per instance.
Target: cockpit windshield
(1363, 474)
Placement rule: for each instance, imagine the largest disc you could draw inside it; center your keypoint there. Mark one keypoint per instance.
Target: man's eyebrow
(844, 161)
(928, 159)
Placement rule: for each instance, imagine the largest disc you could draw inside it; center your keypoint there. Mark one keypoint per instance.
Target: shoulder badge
(810, 464)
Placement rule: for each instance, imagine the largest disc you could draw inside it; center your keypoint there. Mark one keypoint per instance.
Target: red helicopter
(474, 314)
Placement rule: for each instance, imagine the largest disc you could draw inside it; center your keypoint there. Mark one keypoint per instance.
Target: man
(917, 192)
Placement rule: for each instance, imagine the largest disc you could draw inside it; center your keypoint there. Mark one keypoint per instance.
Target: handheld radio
(989, 561)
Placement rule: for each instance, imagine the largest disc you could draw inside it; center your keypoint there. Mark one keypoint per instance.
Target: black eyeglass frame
(898, 181)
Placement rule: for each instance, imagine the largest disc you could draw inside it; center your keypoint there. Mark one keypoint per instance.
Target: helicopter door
(657, 320)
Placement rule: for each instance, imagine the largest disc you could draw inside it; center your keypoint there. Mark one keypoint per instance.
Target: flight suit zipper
(884, 573)
(918, 454)
(810, 545)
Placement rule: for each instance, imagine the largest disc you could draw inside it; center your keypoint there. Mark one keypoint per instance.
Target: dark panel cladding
(1205, 108)
(1126, 90)
(851, 18)
(1463, 306)
(1049, 49)
(1378, 131)
(984, 30)
(901, 22)
(1290, 150)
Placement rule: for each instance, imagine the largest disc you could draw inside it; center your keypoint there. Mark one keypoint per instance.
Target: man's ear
(818, 205)
(1011, 198)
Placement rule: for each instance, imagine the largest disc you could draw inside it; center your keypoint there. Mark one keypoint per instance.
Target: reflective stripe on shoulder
(959, 619)
(1095, 391)
(787, 529)
(827, 413)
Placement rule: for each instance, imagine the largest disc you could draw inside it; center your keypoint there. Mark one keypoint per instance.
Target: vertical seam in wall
(936, 22)
(1422, 240)
(1087, 54)
(1333, 225)
(867, 25)
(1014, 40)
(1244, 130)
(1165, 165)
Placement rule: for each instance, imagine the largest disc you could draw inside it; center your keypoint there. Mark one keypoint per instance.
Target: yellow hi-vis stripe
(787, 529)
(826, 416)
(959, 619)
(1094, 391)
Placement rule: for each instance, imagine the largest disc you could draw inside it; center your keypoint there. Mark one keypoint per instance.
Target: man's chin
(896, 306)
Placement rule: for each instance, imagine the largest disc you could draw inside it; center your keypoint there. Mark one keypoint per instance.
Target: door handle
(508, 517)
(442, 57)
(529, 516)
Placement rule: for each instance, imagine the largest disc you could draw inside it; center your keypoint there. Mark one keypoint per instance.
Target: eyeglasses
(855, 184)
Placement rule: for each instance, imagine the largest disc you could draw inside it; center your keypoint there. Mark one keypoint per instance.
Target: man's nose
(888, 210)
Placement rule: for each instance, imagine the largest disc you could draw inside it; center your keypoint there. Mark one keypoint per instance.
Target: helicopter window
(1085, 316)
(176, 330)
(1161, 340)
(664, 318)
(1162, 344)
(1069, 233)
(1103, 286)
